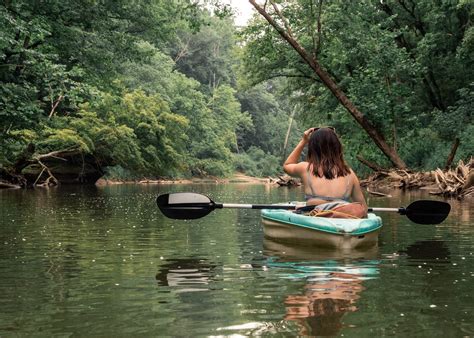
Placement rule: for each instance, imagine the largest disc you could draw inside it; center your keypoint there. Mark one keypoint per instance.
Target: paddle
(422, 211)
(188, 205)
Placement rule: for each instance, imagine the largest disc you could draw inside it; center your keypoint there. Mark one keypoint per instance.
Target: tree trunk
(370, 129)
(454, 148)
(290, 123)
(371, 165)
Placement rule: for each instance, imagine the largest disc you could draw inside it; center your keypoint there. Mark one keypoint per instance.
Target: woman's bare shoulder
(353, 175)
(302, 168)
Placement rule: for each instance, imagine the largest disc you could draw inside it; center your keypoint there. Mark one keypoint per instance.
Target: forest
(171, 89)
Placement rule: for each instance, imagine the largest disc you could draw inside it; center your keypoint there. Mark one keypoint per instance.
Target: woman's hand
(307, 135)
(292, 166)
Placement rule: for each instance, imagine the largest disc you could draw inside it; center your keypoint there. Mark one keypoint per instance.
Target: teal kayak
(288, 226)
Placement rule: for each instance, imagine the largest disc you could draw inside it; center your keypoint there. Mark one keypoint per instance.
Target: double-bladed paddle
(189, 205)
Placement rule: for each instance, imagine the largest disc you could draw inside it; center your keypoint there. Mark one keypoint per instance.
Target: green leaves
(399, 64)
(95, 77)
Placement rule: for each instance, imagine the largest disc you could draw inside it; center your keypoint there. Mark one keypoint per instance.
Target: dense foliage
(145, 88)
(407, 65)
(167, 88)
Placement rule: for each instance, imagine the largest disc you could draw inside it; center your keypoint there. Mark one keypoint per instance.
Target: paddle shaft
(288, 207)
(400, 210)
(253, 206)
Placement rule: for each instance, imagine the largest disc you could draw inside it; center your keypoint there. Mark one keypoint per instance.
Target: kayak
(343, 233)
(294, 252)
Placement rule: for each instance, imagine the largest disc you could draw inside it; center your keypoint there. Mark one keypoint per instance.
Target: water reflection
(432, 252)
(333, 284)
(186, 275)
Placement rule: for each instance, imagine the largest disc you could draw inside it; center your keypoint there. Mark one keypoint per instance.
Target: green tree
(398, 61)
(208, 55)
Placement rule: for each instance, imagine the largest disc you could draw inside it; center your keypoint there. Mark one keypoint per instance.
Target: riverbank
(236, 178)
(457, 182)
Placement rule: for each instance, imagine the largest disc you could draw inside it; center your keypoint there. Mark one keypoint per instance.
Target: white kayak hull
(286, 226)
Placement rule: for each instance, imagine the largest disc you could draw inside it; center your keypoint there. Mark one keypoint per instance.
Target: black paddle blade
(427, 212)
(184, 205)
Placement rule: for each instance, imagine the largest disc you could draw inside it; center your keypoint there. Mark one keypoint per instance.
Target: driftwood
(378, 193)
(51, 180)
(39, 170)
(287, 181)
(458, 182)
(6, 185)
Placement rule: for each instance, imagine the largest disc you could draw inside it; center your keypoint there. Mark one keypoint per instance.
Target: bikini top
(345, 196)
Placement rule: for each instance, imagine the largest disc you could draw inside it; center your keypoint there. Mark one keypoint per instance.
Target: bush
(255, 162)
(211, 167)
(118, 173)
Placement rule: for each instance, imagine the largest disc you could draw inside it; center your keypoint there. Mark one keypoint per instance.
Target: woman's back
(323, 189)
(328, 180)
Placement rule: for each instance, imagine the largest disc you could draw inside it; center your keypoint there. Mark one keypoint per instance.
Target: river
(103, 261)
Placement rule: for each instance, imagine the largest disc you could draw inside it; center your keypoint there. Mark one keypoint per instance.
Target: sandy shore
(237, 178)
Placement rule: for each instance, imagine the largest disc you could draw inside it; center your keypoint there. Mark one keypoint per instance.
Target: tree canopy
(173, 88)
(406, 65)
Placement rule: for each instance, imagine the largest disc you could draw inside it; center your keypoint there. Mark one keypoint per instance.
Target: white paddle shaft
(238, 206)
(252, 206)
(384, 209)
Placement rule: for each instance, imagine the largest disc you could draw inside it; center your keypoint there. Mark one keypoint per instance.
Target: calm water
(81, 261)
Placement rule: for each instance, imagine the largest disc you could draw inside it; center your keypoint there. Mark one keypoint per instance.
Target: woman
(329, 184)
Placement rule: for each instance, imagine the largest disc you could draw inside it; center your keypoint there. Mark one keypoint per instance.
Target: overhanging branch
(374, 134)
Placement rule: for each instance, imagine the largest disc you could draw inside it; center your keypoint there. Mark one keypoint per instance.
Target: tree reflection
(333, 284)
(186, 274)
(434, 252)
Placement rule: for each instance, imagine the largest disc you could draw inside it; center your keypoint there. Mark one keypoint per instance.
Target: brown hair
(325, 155)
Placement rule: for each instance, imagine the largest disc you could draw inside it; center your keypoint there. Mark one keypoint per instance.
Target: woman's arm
(357, 195)
(292, 165)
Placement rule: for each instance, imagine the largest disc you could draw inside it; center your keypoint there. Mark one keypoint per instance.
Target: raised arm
(292, 166)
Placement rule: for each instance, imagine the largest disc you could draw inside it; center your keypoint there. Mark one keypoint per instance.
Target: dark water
(103, 261)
